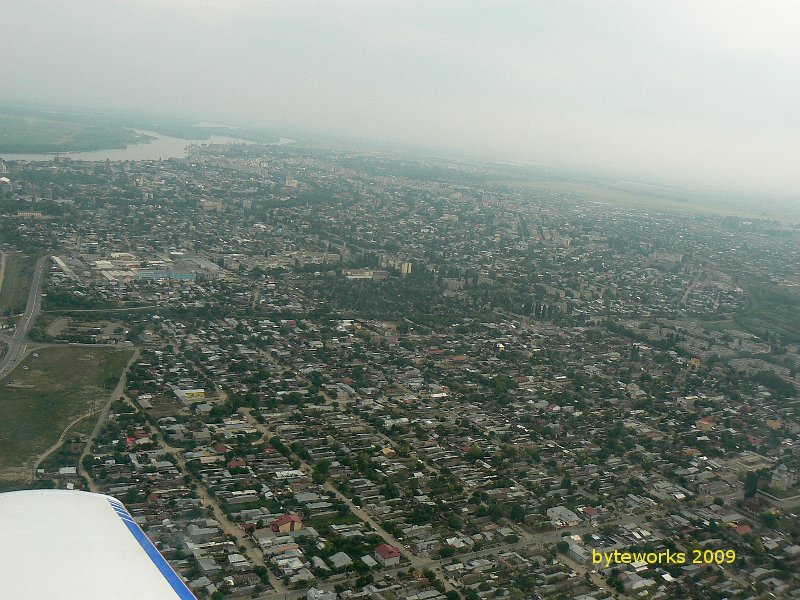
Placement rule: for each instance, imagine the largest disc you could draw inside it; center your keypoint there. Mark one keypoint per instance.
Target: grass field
(37, 134)
(16, 283)
(71, 449)
(38, 403)
(771, 309)
(659, 200)
(44, 320)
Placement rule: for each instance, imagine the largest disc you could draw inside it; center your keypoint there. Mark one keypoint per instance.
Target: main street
(538, 540)
(2, 269)
(18, 343)
(528, 539)
(19, 347)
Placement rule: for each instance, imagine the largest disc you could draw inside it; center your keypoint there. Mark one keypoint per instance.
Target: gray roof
(339, 560)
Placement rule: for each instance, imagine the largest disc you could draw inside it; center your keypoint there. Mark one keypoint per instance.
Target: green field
(16, 284)
(45, 319)
(771, 309)
(69, 452)
(38, 403)
(20, 134)
(665, 200)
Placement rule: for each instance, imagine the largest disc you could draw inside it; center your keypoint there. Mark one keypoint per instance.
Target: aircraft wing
(71, 544)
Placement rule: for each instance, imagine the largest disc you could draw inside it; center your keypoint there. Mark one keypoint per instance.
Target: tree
(750, 484)
(517, 512)
(474, 453)
(768, 519)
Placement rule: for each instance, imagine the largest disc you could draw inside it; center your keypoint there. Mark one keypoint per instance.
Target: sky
(700, 93)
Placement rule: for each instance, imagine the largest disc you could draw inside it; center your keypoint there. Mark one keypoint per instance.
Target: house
(287, 523)
(387, 555)
(576, 550)
(236, 462)
(591, 512)
(340, 560)
(705, 424)
(315, 594)
(369, 561)
(561, 516)
(237, 561)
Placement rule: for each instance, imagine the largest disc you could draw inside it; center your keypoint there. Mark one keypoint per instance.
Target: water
(162, 147)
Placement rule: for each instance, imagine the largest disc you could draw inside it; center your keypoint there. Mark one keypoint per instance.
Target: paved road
(4, 338)
(69, 311)
(529, 541)
(2, 268)
(17, 345)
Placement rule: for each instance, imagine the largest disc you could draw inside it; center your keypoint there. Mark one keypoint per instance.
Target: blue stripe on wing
(183, 592)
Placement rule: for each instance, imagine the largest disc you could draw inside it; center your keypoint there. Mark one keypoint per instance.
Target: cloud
(693, 92)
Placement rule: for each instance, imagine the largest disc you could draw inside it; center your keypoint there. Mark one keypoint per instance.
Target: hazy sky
(704, 92)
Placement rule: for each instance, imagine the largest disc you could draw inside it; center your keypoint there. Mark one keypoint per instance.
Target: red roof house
(286, 523)
(387, 555)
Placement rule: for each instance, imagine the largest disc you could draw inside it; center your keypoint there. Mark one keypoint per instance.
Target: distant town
(312, 372)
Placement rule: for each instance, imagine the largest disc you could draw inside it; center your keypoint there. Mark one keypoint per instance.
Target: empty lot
(38, 403)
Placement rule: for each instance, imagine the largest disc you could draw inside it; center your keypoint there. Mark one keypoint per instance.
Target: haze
(704, 94)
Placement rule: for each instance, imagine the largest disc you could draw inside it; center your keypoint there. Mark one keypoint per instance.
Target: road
(17, 345)
(116, 394)
(530, 540)
(57, 445)
(418, 562)
(2, 268)
(2, 277)
(101, 420)
(228, 527)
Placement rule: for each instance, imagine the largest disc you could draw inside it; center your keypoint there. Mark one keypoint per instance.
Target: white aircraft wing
(71, 544)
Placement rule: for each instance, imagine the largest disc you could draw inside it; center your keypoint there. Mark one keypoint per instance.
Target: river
(162, 147)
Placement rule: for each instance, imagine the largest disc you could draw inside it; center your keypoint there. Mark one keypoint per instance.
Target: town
(362, 375)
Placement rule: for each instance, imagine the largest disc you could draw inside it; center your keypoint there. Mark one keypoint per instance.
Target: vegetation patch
(16, 285)
(771, 313)
(21, 134)
(39, 402)
(70, 451)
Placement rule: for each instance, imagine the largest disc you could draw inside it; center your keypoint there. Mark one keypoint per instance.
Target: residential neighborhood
(364, 376)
